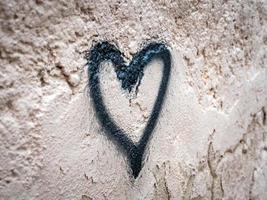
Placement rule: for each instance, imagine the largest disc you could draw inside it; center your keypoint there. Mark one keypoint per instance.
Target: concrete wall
(210, 141)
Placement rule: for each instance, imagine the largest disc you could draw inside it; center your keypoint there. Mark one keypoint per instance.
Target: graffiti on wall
(130, 76)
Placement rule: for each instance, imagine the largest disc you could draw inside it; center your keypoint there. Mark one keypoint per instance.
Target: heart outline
(129, 76)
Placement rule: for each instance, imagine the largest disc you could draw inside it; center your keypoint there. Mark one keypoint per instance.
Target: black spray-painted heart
(130, 76)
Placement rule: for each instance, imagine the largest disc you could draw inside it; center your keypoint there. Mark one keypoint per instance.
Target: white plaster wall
(210, 142)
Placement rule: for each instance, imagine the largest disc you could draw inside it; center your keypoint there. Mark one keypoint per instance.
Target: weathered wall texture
(211, 139)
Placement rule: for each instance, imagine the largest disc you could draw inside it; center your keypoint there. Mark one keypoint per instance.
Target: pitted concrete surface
(210, 141)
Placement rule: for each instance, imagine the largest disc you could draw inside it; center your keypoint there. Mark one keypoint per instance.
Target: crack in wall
(247, 143)
(160, 186)
(216, 184)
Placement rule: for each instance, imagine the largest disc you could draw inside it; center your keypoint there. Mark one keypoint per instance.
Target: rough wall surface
(211, 138)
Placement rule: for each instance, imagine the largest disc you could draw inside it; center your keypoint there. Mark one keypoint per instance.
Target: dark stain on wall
(130, 76)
